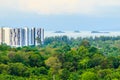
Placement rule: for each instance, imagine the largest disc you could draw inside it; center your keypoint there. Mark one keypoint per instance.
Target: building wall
(16, 37)
(26, 36)
(38, 36)
(1, 35)
(33, 32)
(6, 36)
(42, 36)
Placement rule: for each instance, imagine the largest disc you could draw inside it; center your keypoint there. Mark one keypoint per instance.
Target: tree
(85, 43)
(89, 76)
(82, 51)
(64, 74)
(4, 69)
(103, 73)
(74, 76)
(66, 48)
(95, 60)
(54, 64)
(84, 63)
(17, 69)
(4, 47)
(35, 60)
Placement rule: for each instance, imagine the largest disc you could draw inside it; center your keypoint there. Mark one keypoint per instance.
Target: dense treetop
(63, 58)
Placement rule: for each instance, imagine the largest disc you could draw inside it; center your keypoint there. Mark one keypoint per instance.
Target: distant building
(18, 37)
(42, 36)
(26, 36)
(33, 32)
(15, 37)
(5, 33)
(1, 35)
(37, 36)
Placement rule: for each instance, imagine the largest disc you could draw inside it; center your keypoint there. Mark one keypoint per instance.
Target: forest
(63, 58)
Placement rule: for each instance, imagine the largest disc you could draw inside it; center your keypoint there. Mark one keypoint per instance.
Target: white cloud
(61, 6)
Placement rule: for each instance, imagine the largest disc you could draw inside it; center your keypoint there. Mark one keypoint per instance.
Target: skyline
(61, 14)
(19, 37)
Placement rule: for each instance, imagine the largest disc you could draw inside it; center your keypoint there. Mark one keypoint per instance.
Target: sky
(102, 15)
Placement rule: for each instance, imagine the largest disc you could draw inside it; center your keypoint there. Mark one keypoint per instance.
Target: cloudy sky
(61, 14)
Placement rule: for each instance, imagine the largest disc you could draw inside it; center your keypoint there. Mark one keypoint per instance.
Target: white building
(25, 36)
(42, 36)
(33, 32)
(37, 36)
(5, 35)
(1, 35)
(18, 37)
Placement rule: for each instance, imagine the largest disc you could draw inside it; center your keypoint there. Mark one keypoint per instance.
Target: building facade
(5, 35)
(1, 35)
(18, 37)
(37, 36)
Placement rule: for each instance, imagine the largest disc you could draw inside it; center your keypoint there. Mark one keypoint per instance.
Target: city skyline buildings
(18, 37)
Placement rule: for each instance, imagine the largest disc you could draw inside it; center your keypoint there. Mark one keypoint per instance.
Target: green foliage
(17, 69)
(89, 76)
(64, 74)
(74, 76)
(4, 68)
(35, 60)
(63, 58)
(4, 47)
(54, 64)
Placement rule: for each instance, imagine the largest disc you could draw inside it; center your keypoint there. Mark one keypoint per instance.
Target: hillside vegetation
(63, 58)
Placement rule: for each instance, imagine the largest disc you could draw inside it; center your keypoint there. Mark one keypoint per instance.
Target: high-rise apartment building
(37, 36)
(1, 35)
(18, 37)
(25, 36)
(42, 36)
(5, 36)
(33, 33)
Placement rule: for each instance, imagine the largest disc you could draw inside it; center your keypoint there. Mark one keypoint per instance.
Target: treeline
(63, 58)
(109, 46)
(72, 41)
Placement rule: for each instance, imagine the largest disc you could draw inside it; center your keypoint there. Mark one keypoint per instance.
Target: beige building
(5, 35)
(1, 35)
